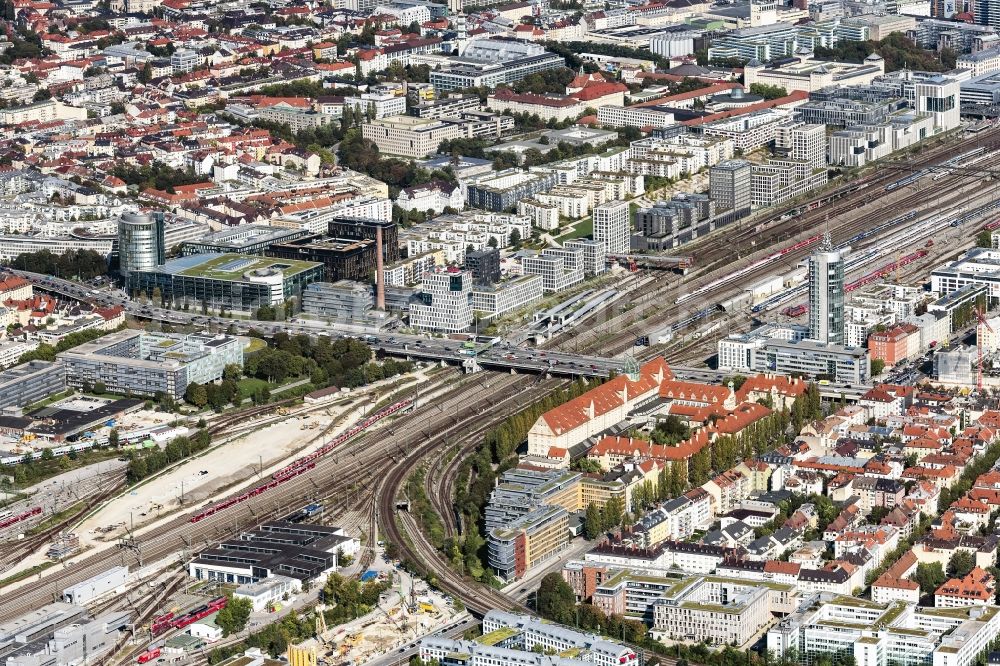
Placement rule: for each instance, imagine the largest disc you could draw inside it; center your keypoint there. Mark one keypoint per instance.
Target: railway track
(358, 464)
(439, 480)
(648, 310)
(13, 552)
(717, 260)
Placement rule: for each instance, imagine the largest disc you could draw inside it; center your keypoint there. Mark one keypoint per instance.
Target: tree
(555, 599)
(47, 454)
(232, 372)
(196, 394)
(612, 512)
(515, 239)
(929, 576)
(492, 242)
(767, 91)
(984, 239)
(233, 618)
(592, 523)
(113, 437)
(146, 75)
(961, 563)
(877, 366)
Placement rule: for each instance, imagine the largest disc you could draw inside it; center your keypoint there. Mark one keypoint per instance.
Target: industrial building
(30, 382)
(233, 282)
(302, 551)
(143, 363)
(111, 581)
(268, 592)
(59, 634)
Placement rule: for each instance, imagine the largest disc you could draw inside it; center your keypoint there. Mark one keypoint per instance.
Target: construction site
(406, 611)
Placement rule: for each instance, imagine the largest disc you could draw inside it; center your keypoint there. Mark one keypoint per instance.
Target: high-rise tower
(826, 294)
(140, 242)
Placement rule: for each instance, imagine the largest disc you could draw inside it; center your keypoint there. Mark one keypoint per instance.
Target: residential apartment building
(502, 190)
(559, 268)
(894, 344)
(499, 298)
(612, 226)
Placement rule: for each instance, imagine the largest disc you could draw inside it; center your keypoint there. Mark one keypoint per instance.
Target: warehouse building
(111, 581)
(143, 363)
(302, 551)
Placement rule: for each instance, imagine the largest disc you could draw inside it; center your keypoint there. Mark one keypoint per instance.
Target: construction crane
(979, 345)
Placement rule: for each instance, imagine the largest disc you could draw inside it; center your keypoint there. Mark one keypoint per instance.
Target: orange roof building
(597, 410)
(978, 588)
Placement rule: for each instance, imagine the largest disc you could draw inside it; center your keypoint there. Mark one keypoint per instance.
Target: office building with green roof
(235, 282)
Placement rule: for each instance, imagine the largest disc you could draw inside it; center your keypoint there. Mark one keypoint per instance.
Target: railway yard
(355, 460)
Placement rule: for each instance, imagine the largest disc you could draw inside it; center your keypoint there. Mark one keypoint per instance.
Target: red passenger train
(7, 522)
(305, 463)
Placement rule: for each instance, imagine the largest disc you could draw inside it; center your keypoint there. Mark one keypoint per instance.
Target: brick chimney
(379, 273)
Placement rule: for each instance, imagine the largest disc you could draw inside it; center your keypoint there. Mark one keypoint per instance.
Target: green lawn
(583, 229)
(26, 573)
(56, 518)
(256, 344)
(250, 385)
